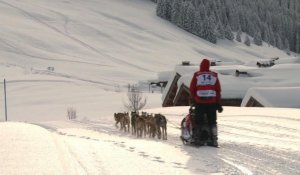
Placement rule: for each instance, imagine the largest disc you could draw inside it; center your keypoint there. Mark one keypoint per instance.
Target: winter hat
(205, 64)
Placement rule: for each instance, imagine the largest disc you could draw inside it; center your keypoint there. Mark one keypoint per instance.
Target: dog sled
(190, 135)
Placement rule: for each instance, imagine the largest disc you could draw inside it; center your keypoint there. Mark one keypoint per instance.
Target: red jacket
(205, 87)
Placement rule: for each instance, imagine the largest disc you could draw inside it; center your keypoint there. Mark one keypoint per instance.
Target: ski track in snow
(76, 40)
(67, 157)
(18, 51)
(71, 77)
(231, 158)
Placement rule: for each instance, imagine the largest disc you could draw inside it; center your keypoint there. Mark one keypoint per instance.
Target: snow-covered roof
(274, 96)
(183, 71)
(281, 75)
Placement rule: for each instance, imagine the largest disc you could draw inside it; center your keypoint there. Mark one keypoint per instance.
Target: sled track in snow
(262, 160)
(217, 163)
(278, 126)
(259, 156)
(257, 132)
(263, 116)
(231, 158)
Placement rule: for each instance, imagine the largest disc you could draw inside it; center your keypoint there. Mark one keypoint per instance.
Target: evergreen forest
(276, 22)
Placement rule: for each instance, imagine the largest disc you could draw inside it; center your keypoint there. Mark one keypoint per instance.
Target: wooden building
(171, 91)
(252, 102)
(180, 96)
(285, 97)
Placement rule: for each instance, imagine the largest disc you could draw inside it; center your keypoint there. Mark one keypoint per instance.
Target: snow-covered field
(96, 49)
(253, 141)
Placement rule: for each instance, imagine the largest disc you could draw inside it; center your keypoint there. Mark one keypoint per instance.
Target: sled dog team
(205, 96)
(142, 124)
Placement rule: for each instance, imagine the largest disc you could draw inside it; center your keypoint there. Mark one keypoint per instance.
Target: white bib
(206, 93)
(206, 79)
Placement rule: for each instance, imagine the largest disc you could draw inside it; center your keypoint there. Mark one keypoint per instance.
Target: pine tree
(208, 32)
(279, 43)
(220, 32)
(176, 15)
(272, 37)
(228, 33)
(185, 18)
(159, 8)
(163, 9)
(238, 36)
(233, 16)
(197, 27)
(247, 41)
(265, 35)
(190, 17)
(286, 45)
(168, 11)
(297, 45)
(202, 10)
(242, 19)
(257, 39)
(273, 21)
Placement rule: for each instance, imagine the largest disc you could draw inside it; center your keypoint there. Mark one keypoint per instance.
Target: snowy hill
(94, 45)
(83, 54)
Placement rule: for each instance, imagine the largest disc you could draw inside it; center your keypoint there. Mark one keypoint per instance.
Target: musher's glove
(219, 108)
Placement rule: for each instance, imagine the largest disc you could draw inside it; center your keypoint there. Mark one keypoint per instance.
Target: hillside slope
(101, 38)
(92, 47)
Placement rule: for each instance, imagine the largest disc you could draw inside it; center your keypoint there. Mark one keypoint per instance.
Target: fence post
(5, 100)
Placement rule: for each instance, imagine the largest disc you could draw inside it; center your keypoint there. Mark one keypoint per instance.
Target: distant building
(171, 91)
(252, 102)
(288, 97)
(177, 93)
(236, 80)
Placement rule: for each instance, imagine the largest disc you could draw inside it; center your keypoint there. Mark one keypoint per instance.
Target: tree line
(276, 22)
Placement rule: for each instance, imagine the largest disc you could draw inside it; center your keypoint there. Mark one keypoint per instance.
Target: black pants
(202, 110)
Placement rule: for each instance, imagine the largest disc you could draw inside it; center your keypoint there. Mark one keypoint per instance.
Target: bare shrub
(71, 113)
(136, 101)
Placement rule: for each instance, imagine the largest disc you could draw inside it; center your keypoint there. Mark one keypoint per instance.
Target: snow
(279, 75)
(97, 48)
(253, 141)
(272, 97)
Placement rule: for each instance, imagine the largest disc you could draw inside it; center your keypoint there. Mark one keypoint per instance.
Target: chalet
(182, 98)
(267, 63)
(171, 91)
(177, 93)
(235, 81)
(252, 102)
(239, 73)
(272, 97)
(161, 84)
